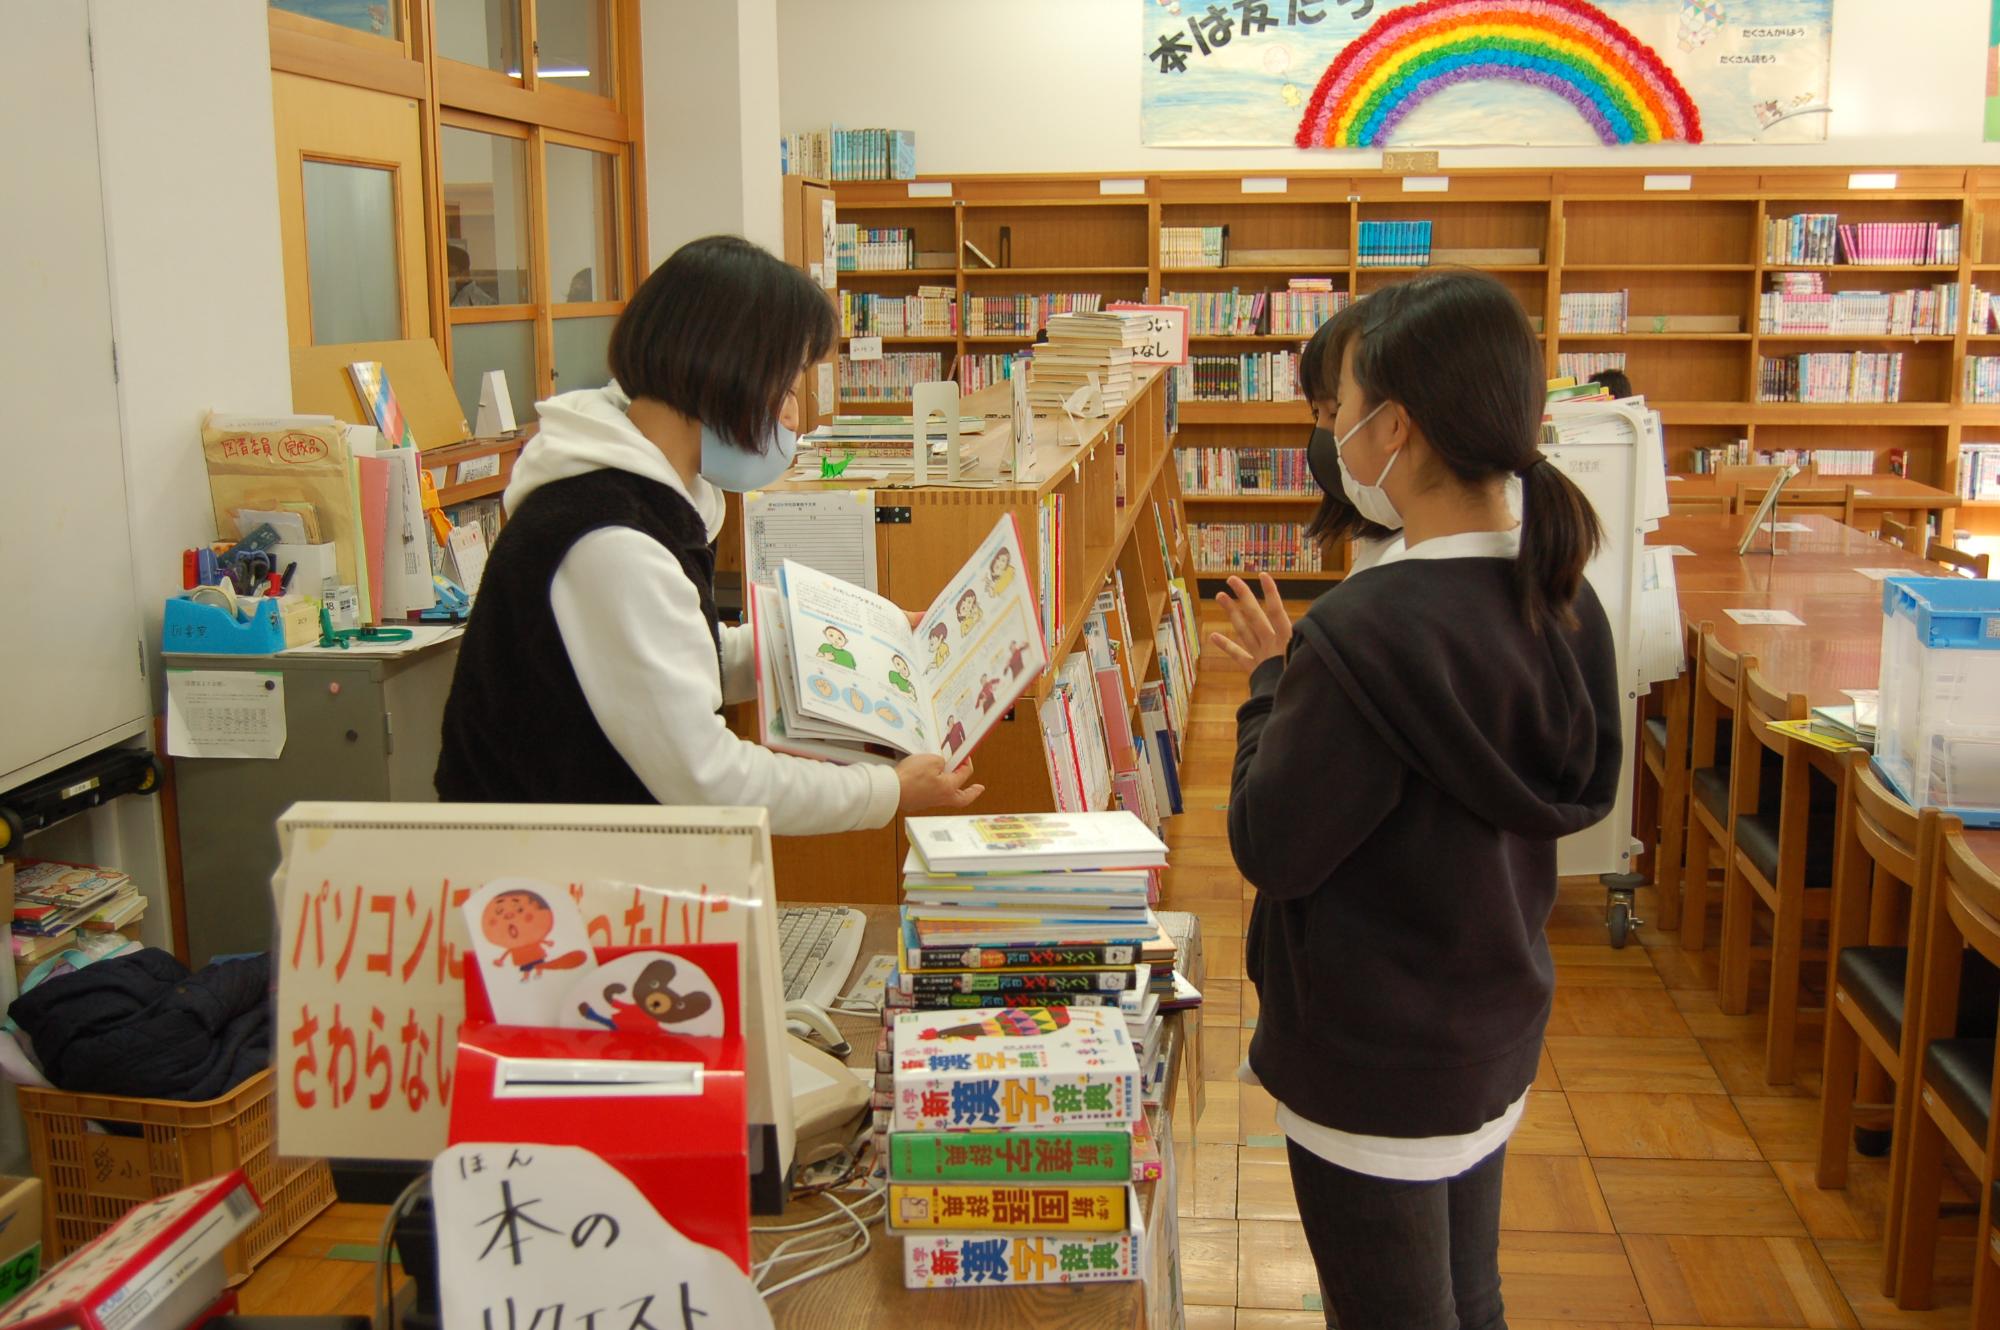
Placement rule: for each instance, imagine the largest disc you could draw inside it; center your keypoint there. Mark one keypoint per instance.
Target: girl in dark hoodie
(1412, 749)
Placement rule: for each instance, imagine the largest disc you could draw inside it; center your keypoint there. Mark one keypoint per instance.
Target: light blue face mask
(728, 467)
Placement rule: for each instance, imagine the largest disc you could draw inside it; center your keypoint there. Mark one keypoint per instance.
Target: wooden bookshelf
(924, 535)
(1698, 251)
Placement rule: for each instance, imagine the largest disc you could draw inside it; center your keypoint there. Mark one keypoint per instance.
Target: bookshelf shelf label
(1266, 184)
(1669, 182)
(930, 189)
(1872, 180)
(864, 348)
(1125, 186)
(1426, 184)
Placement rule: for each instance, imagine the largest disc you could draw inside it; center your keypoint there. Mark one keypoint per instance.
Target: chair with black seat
(1957, 562)
(1663, 756)
(1907, 536)
(1783, 809)
(1955, 1086)
(1710, 744)
(1882, 875)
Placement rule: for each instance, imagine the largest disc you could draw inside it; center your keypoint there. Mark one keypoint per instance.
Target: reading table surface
(870, 1292)
(1816, 576)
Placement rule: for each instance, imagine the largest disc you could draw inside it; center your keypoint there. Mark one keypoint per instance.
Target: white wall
(711, 71)
(189, 163)
(1907, 87)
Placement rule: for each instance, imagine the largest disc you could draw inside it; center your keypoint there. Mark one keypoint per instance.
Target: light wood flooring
(1656, 1181)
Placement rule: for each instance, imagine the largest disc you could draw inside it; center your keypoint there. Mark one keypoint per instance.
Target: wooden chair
(1904, 536)
(1955, 1086)
(1700, 505)
(1882, 878)
(1836, 502)
(1958, 561)
(1781, 838)
(1717, 670)
(1663, 757)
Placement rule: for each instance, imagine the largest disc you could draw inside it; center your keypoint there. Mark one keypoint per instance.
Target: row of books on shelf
(1928, 310)
(1392, 244)
(1983, 313)
(1297, 310)
(1832, 376)
(874, 248)
(999, 316)
(893, 378)
(82, 912)
(931, 312)
(1580, 365)
(1593, 311)
(1979, 471)
(1982, 380)
(1825, 461)
(1819, 238)
(1227, 471)
(1239, 547)
(984, 369)
(1194, 246)
(1022, 1064)
(1256, 376)
(850, 154)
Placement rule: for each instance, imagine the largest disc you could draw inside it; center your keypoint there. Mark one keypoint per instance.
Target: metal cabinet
(357, 728)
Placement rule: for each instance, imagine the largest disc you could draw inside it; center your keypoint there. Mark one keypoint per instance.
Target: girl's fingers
(1231, 649)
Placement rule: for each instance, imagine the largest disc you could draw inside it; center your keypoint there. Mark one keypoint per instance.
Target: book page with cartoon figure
(852, 652)
(981, 642)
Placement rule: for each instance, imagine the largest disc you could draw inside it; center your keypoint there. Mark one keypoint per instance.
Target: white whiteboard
(69, 660)
(1611, 450)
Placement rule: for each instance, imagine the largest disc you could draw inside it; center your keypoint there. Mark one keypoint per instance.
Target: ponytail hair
(1559, 535)
(1456, 351)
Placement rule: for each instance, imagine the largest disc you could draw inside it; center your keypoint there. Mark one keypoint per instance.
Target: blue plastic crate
(1937, 732)
(1949, 611)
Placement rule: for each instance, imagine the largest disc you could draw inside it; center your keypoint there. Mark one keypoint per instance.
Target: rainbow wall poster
(1375, 73)
(1619, 85)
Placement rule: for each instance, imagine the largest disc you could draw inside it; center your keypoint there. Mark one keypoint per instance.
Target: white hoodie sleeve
(632, 624)
(739, 664)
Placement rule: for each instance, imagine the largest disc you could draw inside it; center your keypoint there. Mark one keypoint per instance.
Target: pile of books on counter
(62, 907)
(1024, 1038)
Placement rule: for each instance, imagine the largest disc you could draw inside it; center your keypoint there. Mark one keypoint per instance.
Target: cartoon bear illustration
(656, 1005)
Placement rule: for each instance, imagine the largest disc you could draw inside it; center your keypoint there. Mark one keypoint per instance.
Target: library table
(870, 1292)
(1877, 496)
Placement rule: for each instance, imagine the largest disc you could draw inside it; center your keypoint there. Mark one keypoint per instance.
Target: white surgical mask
(1371, 501)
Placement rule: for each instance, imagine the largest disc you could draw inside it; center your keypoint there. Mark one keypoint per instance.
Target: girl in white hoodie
(594, 669)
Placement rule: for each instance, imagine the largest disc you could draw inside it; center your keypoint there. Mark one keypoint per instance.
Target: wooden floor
(1656, 1180)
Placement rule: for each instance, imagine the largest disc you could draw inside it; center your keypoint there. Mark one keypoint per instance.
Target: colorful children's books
(1010, 1156)
(1017, 1067)
(998, 1260)
(985, 1207)
(1025, 842)
(841, 668)
(378, 399)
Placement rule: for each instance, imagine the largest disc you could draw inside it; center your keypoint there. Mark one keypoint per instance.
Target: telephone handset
(829, 1102)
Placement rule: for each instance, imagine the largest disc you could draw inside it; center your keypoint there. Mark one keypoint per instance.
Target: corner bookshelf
(1688, 250)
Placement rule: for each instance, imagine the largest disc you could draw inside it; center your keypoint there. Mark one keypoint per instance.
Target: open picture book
(842, 674)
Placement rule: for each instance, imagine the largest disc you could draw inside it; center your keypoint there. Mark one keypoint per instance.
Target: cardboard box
(20, 1220)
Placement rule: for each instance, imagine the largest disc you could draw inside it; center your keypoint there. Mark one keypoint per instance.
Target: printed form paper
(226, 713)
(832, 531)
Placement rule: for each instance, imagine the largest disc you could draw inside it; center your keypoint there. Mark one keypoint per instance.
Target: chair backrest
(1883, 843)
(1757, 705)
(1700, 505)
(1889, 831)
(1903, 535)
(1969, 565)
(1716, 672)
(1836, 502)
(1972, 893)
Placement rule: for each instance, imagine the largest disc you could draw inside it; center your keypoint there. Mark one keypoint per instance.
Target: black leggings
(1403, 1255)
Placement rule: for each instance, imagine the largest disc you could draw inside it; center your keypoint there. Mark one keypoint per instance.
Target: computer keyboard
(820, 944)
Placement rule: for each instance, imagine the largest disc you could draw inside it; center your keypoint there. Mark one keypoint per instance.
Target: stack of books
(59, 906)
(1082, 347)
(1012, 1147)
(1979, 471)
(1304, 304)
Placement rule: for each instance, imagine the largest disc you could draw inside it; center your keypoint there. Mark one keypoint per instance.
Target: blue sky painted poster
(1370, 73)
(1993, 75)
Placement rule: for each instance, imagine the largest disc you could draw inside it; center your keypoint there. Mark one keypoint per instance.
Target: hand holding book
(927, 783)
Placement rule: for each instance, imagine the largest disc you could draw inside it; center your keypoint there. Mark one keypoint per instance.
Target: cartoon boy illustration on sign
(835, 648)
(519, 923)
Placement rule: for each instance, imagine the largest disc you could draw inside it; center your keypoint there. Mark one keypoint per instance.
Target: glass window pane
(485, 217)
(583, 350)
(509, 347)
(481, 32)
(351, 253)
(375, 17)
(583, 225)
(572, 45)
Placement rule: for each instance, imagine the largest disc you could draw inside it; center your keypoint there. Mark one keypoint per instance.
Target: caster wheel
(149, 782)
(1871, 1143)
(1618, 922)
(12, 829)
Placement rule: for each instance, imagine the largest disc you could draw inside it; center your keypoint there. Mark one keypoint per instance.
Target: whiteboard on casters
(69, 660)
(1612, 451)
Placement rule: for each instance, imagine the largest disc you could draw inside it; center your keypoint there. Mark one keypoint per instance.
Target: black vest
(517, 728)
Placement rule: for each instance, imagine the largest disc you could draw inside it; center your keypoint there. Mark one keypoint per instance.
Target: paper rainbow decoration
(1571, 48)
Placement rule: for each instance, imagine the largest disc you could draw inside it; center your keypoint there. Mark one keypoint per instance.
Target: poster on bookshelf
(1993, 75)
(1542, 72)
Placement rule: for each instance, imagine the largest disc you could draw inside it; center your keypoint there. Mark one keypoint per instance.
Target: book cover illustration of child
(1017, 659)
(987, 687)
(954, 734)
(523, 930)
(835, 648)
(1000, 572)
(899, 676)
(968, 612)
(1013, 832)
